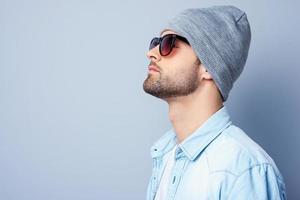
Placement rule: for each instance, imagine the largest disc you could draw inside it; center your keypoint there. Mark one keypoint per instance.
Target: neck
(187, 113)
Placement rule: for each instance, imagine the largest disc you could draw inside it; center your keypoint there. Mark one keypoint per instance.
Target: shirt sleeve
(258, 182)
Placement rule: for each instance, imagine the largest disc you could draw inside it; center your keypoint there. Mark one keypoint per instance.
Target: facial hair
(163, 86)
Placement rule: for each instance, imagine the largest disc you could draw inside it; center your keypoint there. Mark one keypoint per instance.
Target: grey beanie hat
(220, 37)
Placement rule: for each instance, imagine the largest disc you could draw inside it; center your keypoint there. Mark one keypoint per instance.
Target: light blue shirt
(217, 161)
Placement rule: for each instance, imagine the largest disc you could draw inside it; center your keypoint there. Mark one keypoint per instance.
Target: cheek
(178, 63)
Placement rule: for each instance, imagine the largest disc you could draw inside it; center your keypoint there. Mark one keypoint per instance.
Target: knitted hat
(220, 37)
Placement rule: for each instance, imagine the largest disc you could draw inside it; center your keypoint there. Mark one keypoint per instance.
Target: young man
(193, 65)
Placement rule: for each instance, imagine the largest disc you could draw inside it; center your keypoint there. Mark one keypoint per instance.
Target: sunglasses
(166, 43)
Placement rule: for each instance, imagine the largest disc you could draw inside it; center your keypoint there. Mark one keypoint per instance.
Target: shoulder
(240, 168)
(235, 152)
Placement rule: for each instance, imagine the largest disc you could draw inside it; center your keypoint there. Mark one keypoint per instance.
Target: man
(193, 65)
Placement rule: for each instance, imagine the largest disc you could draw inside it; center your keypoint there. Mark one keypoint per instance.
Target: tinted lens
(154, 42)
(166, 45)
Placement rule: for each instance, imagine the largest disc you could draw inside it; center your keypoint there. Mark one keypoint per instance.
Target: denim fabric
(217, 161)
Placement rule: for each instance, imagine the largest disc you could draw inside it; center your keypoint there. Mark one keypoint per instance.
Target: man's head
(218, 37)
(180, 72)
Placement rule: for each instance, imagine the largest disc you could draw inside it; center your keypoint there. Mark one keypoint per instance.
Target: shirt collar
(193, 145)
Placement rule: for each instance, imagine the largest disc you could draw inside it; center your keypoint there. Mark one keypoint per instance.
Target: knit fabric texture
(220, 36)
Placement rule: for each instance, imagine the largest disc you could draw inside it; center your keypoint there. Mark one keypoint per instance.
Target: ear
(204, 73)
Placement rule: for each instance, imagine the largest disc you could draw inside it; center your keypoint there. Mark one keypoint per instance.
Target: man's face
(178, 71)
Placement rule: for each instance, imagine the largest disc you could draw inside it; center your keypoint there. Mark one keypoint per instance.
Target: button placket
(156, 175)
(177, 172)
(154, 178)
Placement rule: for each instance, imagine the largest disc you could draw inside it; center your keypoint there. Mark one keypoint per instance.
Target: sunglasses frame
(160, 39)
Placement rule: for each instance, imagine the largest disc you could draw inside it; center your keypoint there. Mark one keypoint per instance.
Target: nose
(153, 54)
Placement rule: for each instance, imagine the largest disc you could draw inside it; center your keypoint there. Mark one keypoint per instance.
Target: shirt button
(174, 178)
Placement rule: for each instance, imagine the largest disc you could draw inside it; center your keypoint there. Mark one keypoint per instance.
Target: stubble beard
(162, 86)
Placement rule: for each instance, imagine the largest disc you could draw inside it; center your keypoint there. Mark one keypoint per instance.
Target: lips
(152, 67)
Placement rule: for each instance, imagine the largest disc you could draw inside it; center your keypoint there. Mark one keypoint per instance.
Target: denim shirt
(217, 161)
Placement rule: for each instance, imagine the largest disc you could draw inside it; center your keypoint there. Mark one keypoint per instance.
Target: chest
(185, 179)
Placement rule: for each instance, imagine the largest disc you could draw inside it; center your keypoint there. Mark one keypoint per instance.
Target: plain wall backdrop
(75, 122)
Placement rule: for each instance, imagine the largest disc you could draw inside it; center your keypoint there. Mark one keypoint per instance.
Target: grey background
(75, 122)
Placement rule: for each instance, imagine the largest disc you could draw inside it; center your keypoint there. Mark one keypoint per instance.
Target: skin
(185, 85)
